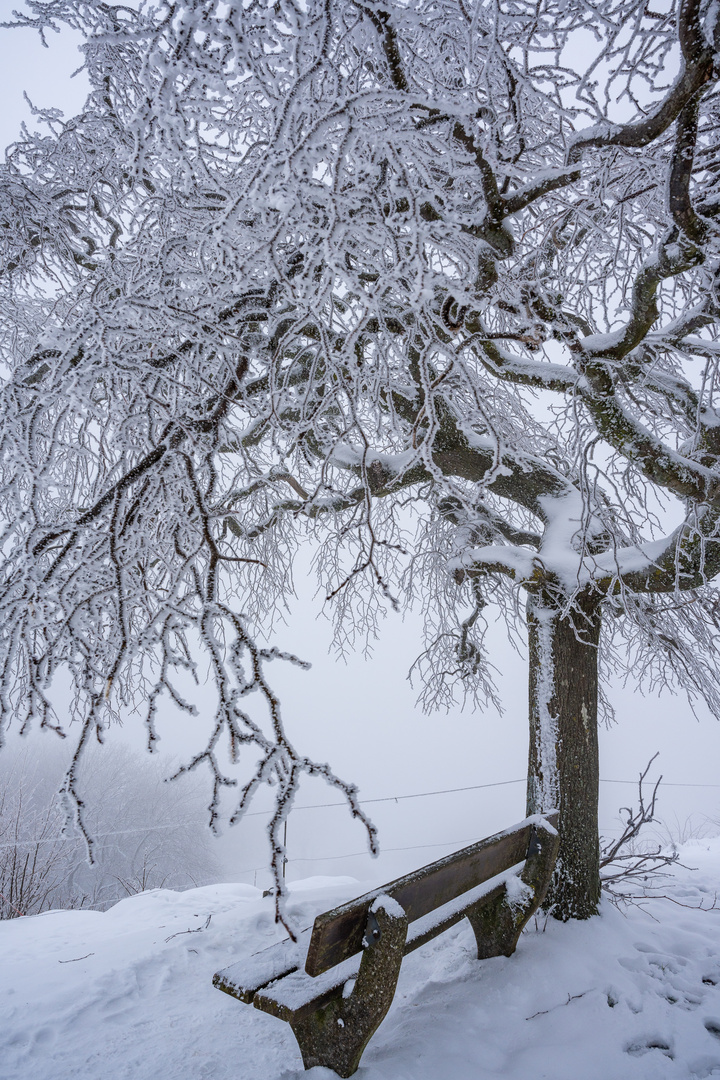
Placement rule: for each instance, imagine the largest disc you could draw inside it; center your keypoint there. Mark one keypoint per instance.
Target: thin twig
(197, 930)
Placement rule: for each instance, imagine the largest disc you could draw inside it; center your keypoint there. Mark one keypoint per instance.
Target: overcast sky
(361, 716)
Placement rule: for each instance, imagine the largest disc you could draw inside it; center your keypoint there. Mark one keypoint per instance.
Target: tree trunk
(563, 766)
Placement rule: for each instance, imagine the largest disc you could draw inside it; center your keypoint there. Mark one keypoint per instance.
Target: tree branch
(698, 69)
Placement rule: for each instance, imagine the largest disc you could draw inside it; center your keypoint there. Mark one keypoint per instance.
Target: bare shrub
(629, 859)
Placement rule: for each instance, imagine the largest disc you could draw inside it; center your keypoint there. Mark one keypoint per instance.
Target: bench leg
(336, 1034)
(499, 918)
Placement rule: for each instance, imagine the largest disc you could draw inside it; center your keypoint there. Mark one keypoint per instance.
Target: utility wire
(385, 850)
(323, 806)
(451, 791)
(395, 798)
(98, 836)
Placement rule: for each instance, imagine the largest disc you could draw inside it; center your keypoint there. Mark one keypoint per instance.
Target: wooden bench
(335, 983)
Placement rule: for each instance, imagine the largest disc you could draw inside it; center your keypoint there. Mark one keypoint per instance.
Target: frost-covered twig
(340, 249)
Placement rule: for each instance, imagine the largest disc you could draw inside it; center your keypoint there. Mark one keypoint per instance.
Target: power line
(383, 851)
(451, 791)
(97, 836)
(394, 798)
(324, 806)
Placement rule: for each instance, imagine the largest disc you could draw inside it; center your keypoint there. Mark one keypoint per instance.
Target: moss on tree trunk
(563, 762)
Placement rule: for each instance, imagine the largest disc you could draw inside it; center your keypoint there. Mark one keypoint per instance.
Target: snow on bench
(335, 983)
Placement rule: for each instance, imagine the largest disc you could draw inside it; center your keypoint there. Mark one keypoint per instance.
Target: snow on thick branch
(339, 272)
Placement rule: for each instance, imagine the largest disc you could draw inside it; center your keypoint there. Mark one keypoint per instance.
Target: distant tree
(32, 850)
(348, 270)
(146, 834)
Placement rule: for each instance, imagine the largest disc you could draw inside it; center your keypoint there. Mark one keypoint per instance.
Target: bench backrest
(338, 934)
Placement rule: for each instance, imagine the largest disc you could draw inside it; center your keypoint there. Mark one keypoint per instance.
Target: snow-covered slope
(127, 993)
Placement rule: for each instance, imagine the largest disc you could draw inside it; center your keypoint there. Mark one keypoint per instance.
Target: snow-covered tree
(433, 282)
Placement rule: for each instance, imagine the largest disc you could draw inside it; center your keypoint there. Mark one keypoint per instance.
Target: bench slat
(244, 978)
(437, 922)
(338, 934)
(299, 993)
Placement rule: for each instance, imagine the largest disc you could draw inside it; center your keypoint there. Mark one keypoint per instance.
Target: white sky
(43, 74)
(362, 718)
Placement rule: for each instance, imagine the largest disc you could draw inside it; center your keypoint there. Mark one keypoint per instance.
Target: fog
(361, 716)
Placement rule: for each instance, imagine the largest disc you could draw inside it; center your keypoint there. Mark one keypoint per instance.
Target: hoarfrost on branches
(342, 271)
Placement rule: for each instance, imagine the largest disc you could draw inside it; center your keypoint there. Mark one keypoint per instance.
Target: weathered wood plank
(338, 934)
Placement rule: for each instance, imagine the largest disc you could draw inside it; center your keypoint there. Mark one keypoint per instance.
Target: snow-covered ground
(128, 994)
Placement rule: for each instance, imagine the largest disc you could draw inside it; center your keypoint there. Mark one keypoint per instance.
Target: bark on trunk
(563, 767)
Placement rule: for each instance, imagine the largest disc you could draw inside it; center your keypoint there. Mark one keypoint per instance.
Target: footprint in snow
(680, 981)
(641, 1046)
(712, 1026)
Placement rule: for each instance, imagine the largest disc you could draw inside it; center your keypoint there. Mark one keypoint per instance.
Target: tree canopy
(434, 283)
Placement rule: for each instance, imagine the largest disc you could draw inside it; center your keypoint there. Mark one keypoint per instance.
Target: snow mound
(126, 994)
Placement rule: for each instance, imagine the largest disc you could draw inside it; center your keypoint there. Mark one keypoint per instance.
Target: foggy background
(361, 716)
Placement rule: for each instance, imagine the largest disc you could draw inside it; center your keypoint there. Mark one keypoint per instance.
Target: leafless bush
(33, 856)
(627, 859)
